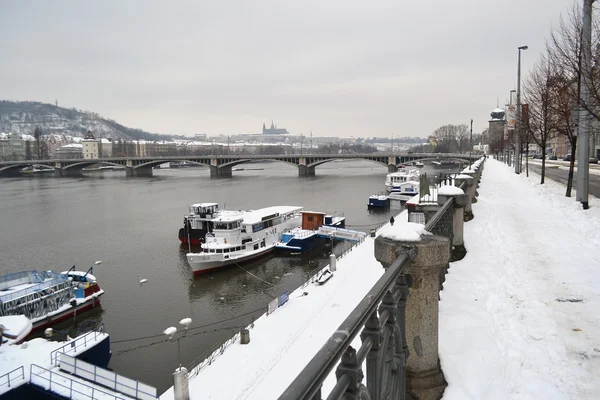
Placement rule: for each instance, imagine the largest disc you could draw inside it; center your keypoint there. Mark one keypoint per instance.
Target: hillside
(24, 116)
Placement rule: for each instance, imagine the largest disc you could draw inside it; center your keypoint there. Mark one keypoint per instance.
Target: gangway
(331, 232)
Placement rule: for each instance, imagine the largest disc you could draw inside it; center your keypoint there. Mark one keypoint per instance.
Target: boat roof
(228, 216)
(88, 277)
(314, 212)
(204, 204)
(255, 216)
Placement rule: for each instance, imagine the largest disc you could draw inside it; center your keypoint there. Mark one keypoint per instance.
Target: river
(131, 224)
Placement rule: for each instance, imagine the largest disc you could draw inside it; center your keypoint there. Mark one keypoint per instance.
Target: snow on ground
(519, 315)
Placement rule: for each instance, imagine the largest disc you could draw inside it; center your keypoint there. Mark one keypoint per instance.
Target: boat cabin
(204, 210)
(312, 220)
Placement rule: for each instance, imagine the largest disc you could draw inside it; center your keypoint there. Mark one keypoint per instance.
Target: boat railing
(55, 280)
(67, 387)
(106, 378)
(7, 378)
(90, 338)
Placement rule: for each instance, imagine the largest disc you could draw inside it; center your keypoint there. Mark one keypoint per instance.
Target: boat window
(219, 250)
(225, 250)
(309, 219)
(243, 247)
(211, 250)
(243, 228)
(256, 246)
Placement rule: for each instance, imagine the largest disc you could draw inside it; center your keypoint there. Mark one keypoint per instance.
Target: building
(498, 139)
(70, 151)
(91, 147)
(12, 147)
(273, 130)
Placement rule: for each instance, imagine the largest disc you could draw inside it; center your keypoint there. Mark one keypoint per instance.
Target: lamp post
(518, 130)
(301, 143)
(471, 144)
(180, 377)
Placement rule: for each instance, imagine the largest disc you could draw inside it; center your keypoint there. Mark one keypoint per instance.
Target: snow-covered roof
(252, 217)
(405, 232)
(203, 205)
(450, 190)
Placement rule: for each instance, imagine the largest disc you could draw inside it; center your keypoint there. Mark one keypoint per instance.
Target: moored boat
(239, 236)
(198, 223)
(378, 201)
(310, 234)
(394, 179)
(404, 191)
(47, 297)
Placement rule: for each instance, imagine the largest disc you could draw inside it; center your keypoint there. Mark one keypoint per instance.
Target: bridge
(222, 166)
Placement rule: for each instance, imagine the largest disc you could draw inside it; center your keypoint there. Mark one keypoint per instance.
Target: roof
(204, 204)
(252, 217)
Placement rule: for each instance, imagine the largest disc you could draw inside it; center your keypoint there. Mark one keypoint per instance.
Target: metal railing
(380, 319)
(109, 379)
(6, 378)
(71, 347)
(67, 387)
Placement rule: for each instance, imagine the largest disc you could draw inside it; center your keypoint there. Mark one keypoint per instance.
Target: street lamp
(518, 131)
(171, 331)
(471, 144)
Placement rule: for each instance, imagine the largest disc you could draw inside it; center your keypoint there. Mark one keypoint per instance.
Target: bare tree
(538, 90)
(450, 138)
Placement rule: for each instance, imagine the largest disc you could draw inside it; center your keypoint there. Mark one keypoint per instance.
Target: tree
(451, 138)
(37, 134)
(539, 90)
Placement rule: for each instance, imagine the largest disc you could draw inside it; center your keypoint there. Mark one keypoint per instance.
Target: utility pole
(392, 144)
(310, 142)
(583, 148)
(471, 144)
(518, 130)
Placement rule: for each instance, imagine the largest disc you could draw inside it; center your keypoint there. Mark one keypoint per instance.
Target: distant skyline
(336, 68)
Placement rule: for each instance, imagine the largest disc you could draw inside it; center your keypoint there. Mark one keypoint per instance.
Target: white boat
(404, 191)
(239, 236)
(419, 164)
(395, 179)
(198, 223)
(47, 297)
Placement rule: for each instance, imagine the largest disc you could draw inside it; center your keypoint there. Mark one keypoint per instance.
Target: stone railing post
(429, 255)
(458, 217)
(470, 184)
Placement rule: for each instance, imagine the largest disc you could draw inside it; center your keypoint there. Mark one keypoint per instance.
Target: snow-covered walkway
(520, 315)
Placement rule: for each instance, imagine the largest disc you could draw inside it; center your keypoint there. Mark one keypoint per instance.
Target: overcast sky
(336, 68)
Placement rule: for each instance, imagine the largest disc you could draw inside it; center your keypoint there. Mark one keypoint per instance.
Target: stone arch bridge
(223, 165)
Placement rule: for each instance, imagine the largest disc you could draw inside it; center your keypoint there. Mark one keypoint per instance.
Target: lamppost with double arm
(518, 130)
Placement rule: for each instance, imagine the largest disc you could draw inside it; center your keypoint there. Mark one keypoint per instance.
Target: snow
(505, 329)
(405, 231)
(505, 332)
(14, 325)
(449, 190)
(462, 176)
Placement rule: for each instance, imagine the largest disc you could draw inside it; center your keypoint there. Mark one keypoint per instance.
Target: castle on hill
(273, 130)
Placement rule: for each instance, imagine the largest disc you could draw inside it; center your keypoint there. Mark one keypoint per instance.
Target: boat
(47, 297)
(404, 191)
(394, 179)
(378, 201)
(36, 169)
(311, 233)
(198, 223)
(419, 164)
(436, 163)
(181, 164)
(239, 236)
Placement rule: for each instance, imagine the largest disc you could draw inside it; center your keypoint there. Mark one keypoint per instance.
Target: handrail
(102, 393)
(72, 345)
(309, 381)
(7, 375)
(438, 215)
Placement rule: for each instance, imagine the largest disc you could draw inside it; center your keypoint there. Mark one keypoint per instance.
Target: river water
(131, 224)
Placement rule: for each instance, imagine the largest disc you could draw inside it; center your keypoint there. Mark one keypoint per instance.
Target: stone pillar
(303, 170)
(220, 172)
(458, 217)
(469, 190)
(138, 171)
(181, 390)
(392, 167)
(425, 379)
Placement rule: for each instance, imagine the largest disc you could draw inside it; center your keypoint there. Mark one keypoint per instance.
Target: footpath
(520, 314)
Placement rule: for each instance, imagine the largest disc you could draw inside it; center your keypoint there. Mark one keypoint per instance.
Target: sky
(336, 68)
(518, 316)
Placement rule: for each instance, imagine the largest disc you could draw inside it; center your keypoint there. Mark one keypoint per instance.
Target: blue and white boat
(316, 227)
(378, 201)
(395, 179)
(404, 191)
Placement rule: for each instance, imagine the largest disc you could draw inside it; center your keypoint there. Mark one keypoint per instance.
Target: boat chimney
(181, 387)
